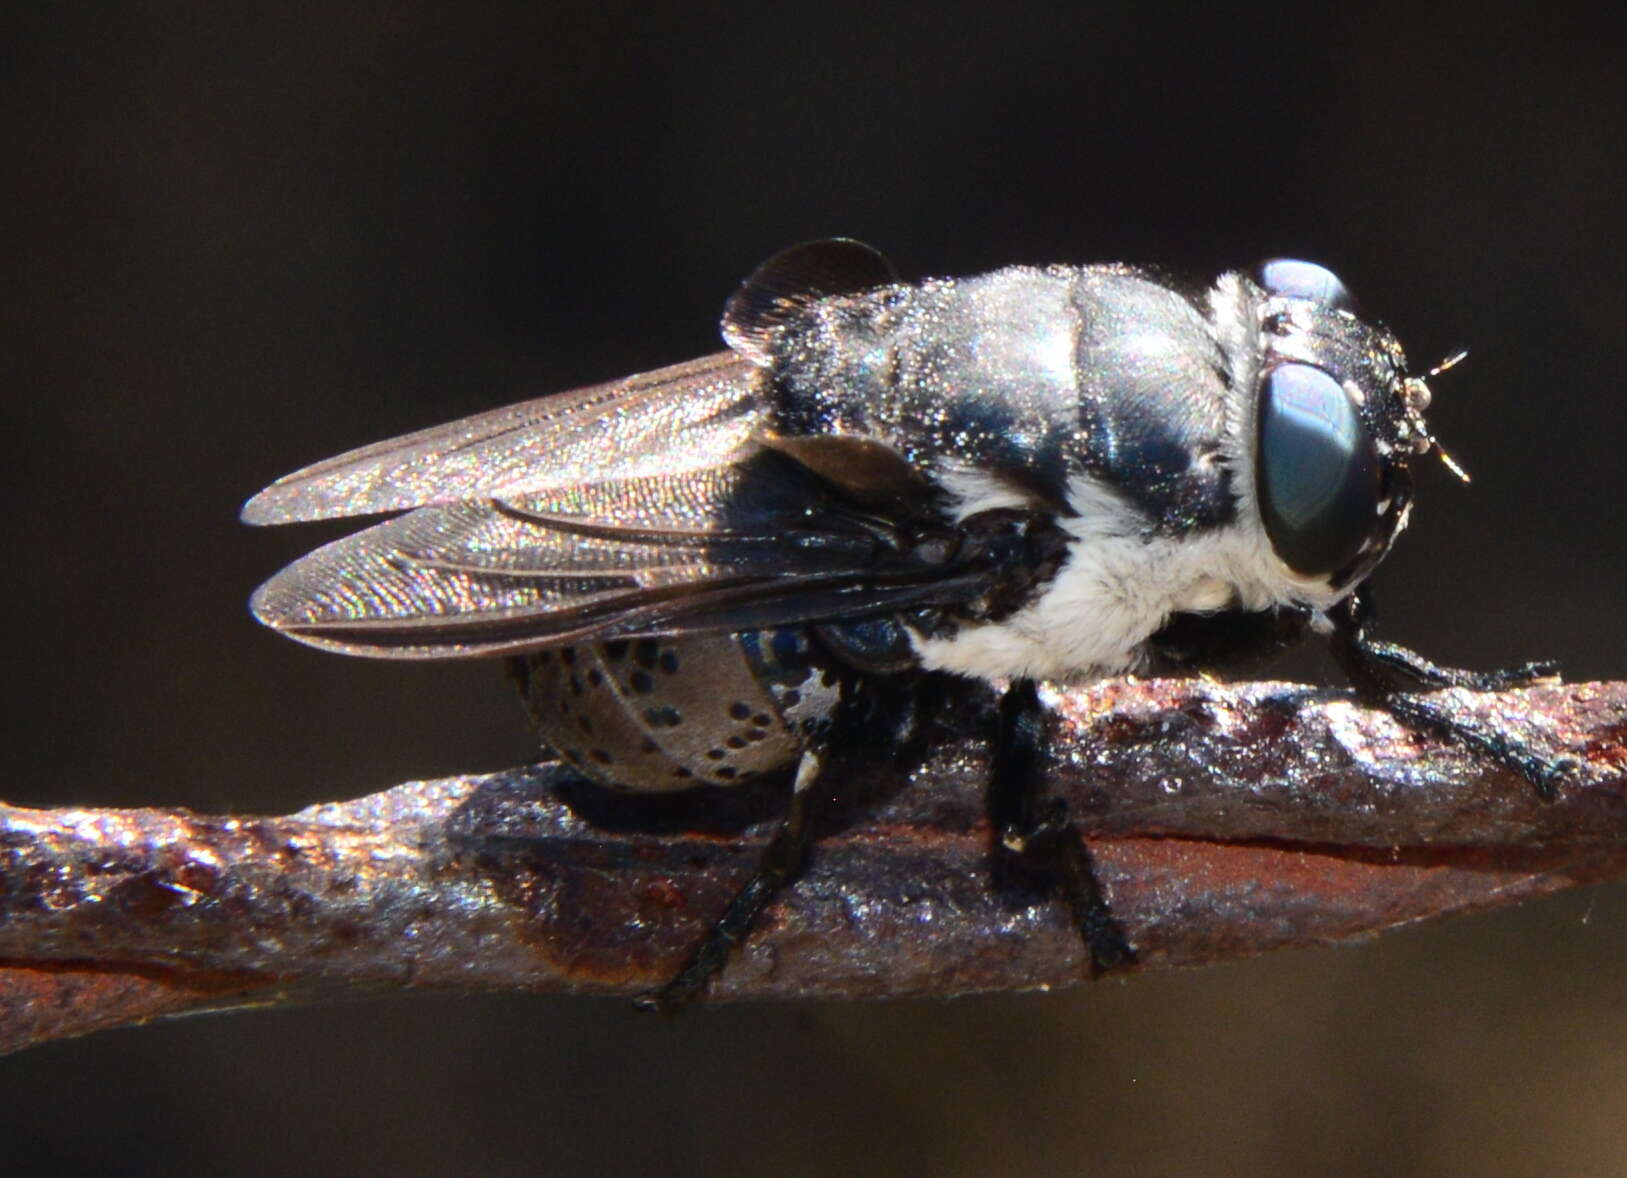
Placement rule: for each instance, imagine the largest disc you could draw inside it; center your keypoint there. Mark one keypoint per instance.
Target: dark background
(245, 237)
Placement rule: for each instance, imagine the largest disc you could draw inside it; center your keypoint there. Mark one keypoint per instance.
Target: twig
(1225, 821)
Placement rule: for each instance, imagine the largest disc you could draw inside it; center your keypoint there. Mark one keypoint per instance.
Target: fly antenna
(1450, 462)
(1452, 361)
(1433, 443)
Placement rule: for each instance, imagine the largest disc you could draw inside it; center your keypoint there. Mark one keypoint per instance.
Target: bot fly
(1060, 473)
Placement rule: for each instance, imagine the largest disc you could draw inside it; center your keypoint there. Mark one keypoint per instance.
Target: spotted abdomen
(654, 714)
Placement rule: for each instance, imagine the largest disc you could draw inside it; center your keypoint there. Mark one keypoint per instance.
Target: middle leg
(1042, 832)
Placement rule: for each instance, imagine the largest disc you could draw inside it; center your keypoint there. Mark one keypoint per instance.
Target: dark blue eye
(1317, 472)
(1296, 279)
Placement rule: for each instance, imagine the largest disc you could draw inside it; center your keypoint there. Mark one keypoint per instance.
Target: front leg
(1047, 835)
(1378, 671)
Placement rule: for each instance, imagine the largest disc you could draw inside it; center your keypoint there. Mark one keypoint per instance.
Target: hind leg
(781, 863)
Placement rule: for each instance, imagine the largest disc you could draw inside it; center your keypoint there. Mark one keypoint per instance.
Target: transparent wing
(763, 541)
(687, 417)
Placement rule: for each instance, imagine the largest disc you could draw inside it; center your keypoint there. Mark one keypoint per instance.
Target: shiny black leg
(786, 854)
(865, 707)
(1381, 672)
(1044, 834)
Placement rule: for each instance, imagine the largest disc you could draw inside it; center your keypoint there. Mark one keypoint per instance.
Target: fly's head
(1337, 420)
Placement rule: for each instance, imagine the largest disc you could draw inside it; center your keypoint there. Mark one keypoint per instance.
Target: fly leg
(781, 863)
(1044, 833)
(1382, 674)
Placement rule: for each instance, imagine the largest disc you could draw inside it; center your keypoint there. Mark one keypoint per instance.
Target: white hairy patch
(975, 490)
(1117, 587)
(1233, 311)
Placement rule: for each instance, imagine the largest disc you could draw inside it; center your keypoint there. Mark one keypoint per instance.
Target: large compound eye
(1295, 279)
(1317, 472)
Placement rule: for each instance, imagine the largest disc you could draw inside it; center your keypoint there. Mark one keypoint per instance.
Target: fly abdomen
(660, 714)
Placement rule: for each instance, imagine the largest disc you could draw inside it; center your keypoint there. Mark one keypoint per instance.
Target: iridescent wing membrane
(686, 417)
(656, 505)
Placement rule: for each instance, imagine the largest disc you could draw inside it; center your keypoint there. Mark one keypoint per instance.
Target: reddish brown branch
(1226, 821)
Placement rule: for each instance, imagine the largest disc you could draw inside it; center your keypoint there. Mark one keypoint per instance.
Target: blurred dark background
(242, 237)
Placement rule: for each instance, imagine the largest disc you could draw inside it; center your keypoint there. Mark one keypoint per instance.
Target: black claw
(656, 1002)
(1550, 776)
(1522, 676)
(1108, 950)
